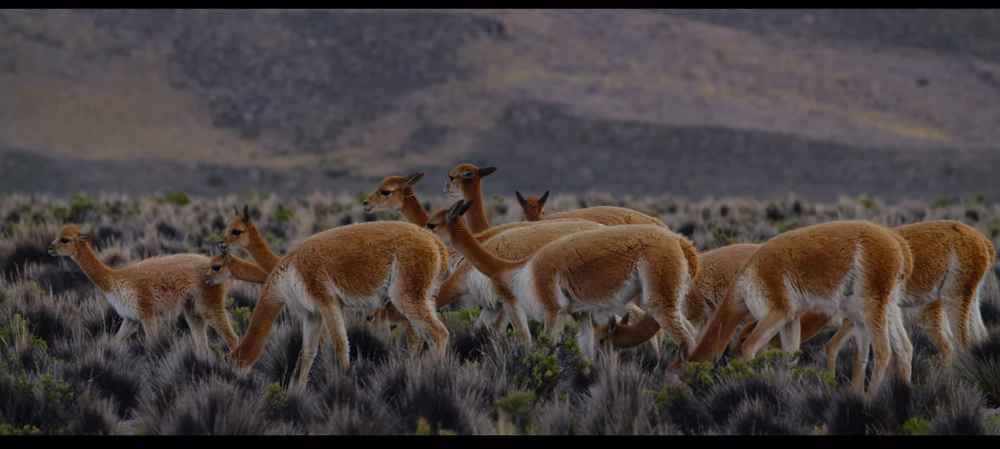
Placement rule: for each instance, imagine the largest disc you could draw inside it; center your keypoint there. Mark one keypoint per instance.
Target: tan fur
(717, 269)
(498, 305)
(395, 193)
(241, 233)
(587, 272)
(456, 257)
(946, 301)
(152, 289)
(358, 265)
(532, 208)
(609, 216)
(224, 267)
(465, 181)
(817, 262)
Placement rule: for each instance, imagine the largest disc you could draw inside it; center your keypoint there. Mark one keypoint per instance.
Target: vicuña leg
(902, 347)
(127, 328)
(312, 327)
(198, 326)
(933, 318)
(836, 342)
(212, 306)
(410, 292)
(662, 292)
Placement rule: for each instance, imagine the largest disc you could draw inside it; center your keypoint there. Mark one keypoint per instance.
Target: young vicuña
(154, 288)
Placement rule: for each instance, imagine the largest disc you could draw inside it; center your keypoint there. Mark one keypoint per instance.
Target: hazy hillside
(888, 103)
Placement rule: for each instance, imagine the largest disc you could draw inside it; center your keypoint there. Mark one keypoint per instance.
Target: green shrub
(518, 408)
(178, 198)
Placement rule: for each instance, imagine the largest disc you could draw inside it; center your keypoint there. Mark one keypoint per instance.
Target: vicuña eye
(64, 241)
(216, 267)
(386, 193)
(431, 225)
(237, 232)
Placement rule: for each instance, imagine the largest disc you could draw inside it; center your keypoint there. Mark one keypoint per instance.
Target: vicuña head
(533, 208)
(69, 241)
(465, 181)
(218, 271)
(241, 233)
(225, 266)
(395, 193)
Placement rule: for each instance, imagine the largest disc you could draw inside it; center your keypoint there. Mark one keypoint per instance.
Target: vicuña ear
(85, 237)
(453, 211)
(485, 171)
(465, 207)
(520, 199)
(612, 324)
(225, 255)
(236, 210)
(412, 179)
(625, 318)
(246, 215)
(545, 196)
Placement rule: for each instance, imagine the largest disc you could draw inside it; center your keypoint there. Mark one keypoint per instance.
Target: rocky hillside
(885, 103)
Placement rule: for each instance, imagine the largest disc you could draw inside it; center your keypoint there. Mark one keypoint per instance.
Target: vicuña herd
(589, 265)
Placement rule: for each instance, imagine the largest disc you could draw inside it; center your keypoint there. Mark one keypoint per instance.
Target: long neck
(412, 210)
(719, 329)
(246, 271)
(630, 336)
(475, 217)
(490, 265)
(100, 274)
(259, 251)
(261, 321)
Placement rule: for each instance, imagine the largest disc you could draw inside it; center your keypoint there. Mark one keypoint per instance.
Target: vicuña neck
(475, 217)
(246, 271)
(493, 267)
(100, 274)
(261, 321)
(630, 336)
(412, 210)
(718, 331)
(259, 251)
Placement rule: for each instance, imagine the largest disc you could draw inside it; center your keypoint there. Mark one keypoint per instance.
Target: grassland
(60, 372)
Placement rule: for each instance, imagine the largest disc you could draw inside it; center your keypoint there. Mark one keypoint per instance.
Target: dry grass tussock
(61, 373)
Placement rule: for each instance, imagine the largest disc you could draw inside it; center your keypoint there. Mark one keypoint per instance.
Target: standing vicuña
(358, 265)
(850, 267)
(158, 287)
(950, 262)
(589, 272)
